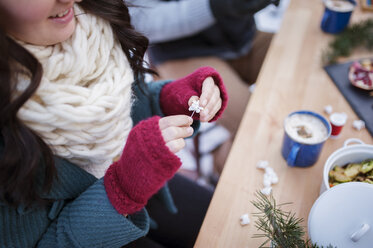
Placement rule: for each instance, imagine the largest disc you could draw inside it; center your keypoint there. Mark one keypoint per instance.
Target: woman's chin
(52, 37)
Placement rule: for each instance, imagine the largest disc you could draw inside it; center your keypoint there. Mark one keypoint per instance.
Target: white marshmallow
(244, 219)
(267, 177)
(270, 171)
(270, 176)
(267, 182)
(358, 124)
(266, 190)
(274, 179)
(328, 109)
(262, 164)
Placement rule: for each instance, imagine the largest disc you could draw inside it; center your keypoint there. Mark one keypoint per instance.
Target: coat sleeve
(170, 20)
(91, 221)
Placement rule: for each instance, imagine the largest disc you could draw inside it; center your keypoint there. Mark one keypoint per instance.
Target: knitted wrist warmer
(175, 96)
(144, 167)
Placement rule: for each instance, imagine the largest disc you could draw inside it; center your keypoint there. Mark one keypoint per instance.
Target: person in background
(187, 34)
(86, 147)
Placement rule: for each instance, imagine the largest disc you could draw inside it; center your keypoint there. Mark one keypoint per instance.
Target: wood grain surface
(291, 79)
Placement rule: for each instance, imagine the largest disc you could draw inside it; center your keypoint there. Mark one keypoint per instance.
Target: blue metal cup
(334, 21)
(300, 154)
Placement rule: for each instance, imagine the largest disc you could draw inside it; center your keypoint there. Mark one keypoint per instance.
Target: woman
(185, 35)
(69, 105)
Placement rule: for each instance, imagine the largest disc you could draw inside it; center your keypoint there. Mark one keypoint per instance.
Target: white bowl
(354, 153)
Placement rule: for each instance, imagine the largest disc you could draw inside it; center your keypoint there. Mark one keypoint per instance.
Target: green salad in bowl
(352, 172)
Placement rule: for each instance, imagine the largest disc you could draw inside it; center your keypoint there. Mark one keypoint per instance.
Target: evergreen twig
(280, 228)
(357, 35)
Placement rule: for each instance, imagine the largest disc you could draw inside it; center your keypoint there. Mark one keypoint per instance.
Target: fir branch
(357, 35)
(280, 228)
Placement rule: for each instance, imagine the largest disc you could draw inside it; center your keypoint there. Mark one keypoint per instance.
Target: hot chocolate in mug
(336, 15)
(304, 137)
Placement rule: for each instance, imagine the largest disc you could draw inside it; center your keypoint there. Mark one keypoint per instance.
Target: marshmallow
(270, 171)
(270, 177)
(244, 219)
(267, 182)
(328, 109)
(262, 164)
(274, 179)
(266, 190)
(358, 124)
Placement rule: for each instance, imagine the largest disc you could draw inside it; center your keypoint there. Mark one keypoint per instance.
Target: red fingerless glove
(143, 168)
(175, 96)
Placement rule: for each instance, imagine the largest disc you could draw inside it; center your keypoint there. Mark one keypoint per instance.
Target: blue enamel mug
(299, 148)
(336, 15)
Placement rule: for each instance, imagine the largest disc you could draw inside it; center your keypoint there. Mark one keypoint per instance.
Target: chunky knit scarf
(82, 107)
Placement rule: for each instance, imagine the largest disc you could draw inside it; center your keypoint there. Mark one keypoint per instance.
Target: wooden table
(291, 79)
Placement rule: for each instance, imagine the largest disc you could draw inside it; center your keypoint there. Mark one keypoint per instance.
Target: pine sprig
(357, 35)
(280, 228)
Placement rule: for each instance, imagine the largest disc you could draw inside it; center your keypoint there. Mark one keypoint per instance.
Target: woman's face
(38, 22)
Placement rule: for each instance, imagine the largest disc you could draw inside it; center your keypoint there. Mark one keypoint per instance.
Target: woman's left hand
(205, 85)
(210, 100)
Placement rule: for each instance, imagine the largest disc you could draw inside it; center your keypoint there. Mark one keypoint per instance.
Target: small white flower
(195, 106)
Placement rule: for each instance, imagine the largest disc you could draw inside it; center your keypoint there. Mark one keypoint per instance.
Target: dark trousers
(181, 229)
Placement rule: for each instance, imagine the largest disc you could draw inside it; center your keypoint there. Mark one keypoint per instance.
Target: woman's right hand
(174, 129)
(147, 161)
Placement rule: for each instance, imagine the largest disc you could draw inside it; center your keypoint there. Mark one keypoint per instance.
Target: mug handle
(293, 154)
(352, 140)
(325, 20)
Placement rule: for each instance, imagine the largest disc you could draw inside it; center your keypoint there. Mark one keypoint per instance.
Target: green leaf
(280, 228)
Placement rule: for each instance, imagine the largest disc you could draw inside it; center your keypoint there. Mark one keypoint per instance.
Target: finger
(192, 99)
(174, 133)
(213, 101)
(211, 105)
(214, 111)
(175, 121)
(207, 91)
(176, 145)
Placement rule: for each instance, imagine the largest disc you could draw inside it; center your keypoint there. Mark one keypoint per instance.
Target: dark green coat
(81, 214)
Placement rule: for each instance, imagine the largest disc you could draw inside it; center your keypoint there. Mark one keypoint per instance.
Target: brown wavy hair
(23, 154)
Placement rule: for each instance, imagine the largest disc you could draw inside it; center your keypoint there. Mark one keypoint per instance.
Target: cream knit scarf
(82, 107)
